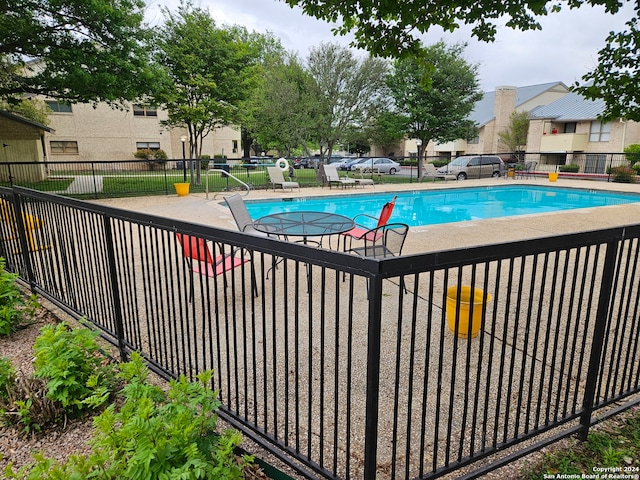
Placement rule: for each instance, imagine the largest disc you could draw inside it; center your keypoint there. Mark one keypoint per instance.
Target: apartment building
(492, 115)
(82, 132)
(564, 127)
(569, 130)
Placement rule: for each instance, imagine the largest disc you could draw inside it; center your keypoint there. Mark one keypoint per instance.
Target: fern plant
(10, 301)
(154, 434)
(166, 435)
(70, 361)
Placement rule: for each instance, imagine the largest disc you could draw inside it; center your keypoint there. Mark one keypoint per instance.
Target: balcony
(455, 146)
(564, 142)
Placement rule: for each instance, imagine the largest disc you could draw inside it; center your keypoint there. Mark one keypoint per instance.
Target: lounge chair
(331, 177)
(362, 180)
(429, 171)
(277, 178)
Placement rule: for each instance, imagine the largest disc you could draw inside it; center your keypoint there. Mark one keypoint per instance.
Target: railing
(225, 174)
(345, 367)
(99, 179)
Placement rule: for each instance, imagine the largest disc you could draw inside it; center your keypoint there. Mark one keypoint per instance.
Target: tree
(348, 90)
(515, 136)
(617, 76)
(392, 29)
(32, 109)
(67, 50)
(208, 74)
(434, 94)
(283, 107)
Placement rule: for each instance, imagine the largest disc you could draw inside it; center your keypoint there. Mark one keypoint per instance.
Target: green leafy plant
(623, 174)
(158, 435)
(155, 434)
(7, 377)
(11, 299)
(633, 153)
(572, 168)
(70, 361)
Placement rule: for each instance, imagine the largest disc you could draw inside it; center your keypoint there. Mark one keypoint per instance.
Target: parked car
(351, 162)
(378, 164)
(474, 166)
(305, 163)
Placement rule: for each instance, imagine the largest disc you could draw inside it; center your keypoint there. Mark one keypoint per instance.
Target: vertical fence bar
(598, 336)
(113, 276)
(373, 376)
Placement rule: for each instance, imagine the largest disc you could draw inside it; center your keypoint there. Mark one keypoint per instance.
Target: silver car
(474, 166)
(378, 164)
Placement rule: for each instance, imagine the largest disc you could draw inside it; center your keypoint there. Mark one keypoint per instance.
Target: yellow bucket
(553, 176)
(182, 189)
(467, 314)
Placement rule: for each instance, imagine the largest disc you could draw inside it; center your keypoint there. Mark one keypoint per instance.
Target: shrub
(7, 378)
(70, 361)
(572, 168)
(12, 304)
(155, 158)
(155, 434)
(633, 153)
(623, 174)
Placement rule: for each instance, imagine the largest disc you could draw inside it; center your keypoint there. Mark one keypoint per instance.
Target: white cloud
(564, 50)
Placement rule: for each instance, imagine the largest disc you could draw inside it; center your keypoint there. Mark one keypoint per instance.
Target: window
(600, 132)
(62, 147)
(142, 111)
(59, 107)
(474, 141)
(148, 145)
(235, 146)
(570, 127)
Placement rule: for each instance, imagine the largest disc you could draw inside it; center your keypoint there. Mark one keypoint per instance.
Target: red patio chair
(199, 260)
(360, 232)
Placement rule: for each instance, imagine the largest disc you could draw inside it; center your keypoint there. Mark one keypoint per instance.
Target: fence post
(113, 275)
(602, 319)
(373, 377)
(23, 240)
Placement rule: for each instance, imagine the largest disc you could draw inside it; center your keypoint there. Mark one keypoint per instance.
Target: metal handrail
(226, 175)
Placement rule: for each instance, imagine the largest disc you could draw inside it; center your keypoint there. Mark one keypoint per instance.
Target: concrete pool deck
(197, 208)
(212, 211)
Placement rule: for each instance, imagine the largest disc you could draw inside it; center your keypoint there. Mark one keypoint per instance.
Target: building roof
(25, 121)
(483, 112)
(571, 107)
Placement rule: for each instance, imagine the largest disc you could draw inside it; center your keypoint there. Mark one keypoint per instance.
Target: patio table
(304, 224)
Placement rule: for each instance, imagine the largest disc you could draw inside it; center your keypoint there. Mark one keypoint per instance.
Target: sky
(564, 50)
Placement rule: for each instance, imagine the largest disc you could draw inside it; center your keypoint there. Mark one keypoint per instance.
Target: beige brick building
(84, 133)
(564, 128)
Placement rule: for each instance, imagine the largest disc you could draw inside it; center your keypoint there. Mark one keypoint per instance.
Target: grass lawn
(612, 448)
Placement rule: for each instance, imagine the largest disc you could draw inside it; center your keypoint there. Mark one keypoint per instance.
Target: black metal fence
(346, 367)
(99, 179)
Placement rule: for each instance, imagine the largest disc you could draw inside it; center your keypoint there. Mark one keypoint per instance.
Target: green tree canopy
(209, 71)
(348, 90)
(434, 93)
(283, 107)
(74, 50)
(392, 29)
(514, 138)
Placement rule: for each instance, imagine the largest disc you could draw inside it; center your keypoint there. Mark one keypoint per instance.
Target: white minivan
(474, 166)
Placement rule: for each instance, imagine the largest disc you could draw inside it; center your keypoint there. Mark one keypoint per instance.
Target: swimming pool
(431, 207)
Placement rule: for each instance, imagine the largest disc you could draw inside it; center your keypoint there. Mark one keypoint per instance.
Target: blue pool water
(433, 207)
